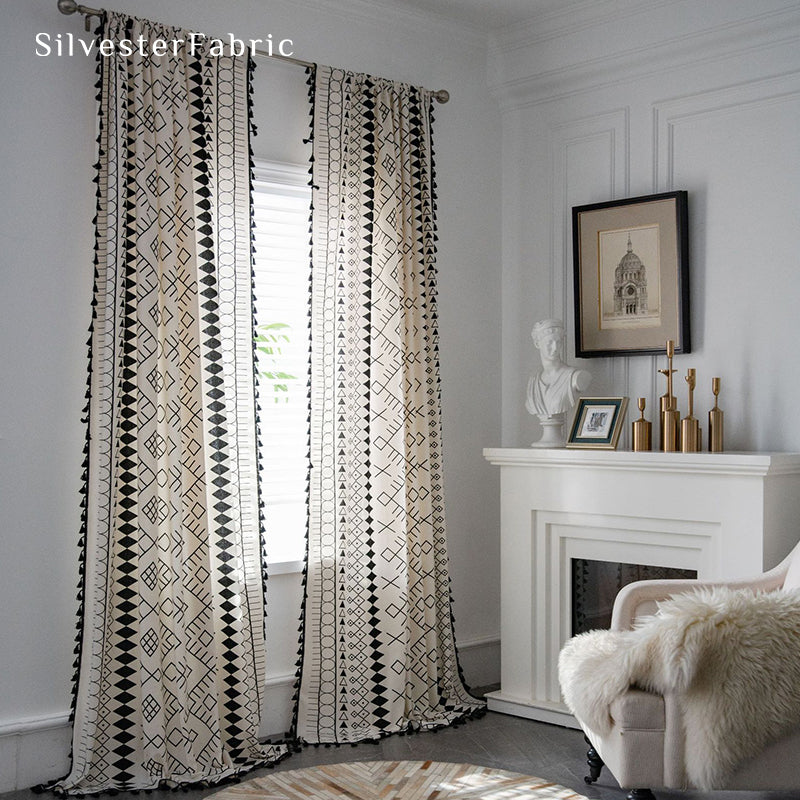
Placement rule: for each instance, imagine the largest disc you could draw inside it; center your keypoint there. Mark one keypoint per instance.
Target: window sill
(284, 567)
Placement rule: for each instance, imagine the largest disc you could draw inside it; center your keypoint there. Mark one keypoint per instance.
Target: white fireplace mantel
(725, 515)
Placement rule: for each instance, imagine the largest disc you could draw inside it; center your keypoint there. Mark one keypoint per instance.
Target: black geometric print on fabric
(170, 676)
(378, 653)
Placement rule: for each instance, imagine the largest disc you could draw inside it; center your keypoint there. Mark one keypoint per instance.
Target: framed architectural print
(597, 423)
(631, 276)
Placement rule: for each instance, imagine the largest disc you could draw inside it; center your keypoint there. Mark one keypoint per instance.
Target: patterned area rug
(397, 780)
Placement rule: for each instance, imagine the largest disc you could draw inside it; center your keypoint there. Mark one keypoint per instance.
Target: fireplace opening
(595, 584)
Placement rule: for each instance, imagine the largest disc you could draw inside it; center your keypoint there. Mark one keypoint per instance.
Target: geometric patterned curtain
(171, 650)
(378, 653)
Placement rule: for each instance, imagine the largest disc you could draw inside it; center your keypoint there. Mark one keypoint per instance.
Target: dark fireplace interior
(595, 585)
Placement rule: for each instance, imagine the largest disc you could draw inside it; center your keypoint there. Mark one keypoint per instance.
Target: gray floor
(496, 740)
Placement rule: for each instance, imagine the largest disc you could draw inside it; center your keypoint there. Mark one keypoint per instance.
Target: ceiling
(486, 14)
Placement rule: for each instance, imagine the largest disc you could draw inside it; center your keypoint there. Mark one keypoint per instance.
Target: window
(281, 201)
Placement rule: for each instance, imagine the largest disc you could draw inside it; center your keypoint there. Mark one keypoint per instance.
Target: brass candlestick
(642, 431)
(715, 420)
(669, 433)
(690, 427)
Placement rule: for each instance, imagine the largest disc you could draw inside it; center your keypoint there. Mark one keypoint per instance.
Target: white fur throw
(732, 658)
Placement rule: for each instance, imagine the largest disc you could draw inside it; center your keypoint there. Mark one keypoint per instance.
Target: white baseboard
(480, 661)
(34, 750)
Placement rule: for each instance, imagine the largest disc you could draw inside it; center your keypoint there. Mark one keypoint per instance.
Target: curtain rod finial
(67, 6)
(441, 96)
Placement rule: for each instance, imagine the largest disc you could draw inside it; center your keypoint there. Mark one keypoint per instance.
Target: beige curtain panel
(171, 638)
(378, 652)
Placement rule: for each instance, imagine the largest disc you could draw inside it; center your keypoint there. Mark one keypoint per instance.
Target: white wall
(46, 208)
(619, 98)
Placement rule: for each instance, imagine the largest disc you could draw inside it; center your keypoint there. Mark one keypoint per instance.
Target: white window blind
(281, 201)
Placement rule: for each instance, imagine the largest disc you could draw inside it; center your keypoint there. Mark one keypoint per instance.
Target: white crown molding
(423, 24)
(519, 81)
(562, 18)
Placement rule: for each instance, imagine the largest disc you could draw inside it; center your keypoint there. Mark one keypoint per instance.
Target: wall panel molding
(669, 115)
(621, 98)
(609, 135)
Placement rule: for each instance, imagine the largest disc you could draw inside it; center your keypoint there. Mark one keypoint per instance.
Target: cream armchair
(645, 746)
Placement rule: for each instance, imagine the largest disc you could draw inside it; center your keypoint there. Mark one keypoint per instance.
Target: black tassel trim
(292, 739)
(406, 729)
(262, 524)
(172, 786)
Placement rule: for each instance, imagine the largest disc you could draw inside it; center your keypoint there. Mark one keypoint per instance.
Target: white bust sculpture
(552, 392)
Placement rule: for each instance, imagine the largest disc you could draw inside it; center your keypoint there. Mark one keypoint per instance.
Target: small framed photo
(631, 276)
(598, 423)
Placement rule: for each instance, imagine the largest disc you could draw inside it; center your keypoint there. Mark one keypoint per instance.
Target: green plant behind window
(272, 339)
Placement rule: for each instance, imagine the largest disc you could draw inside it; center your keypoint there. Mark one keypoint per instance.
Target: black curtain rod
(71, 7)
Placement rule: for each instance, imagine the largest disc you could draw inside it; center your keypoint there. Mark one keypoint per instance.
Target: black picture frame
(620, 309)
(597, 423)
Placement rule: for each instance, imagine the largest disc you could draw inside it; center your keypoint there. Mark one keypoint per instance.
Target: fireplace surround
(719, 515)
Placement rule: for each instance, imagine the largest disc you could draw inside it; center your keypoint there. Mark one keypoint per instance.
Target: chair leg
(640, 794)
(595, 763)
